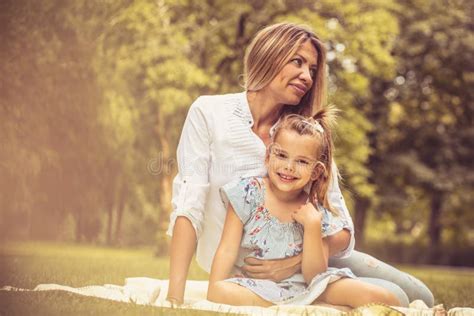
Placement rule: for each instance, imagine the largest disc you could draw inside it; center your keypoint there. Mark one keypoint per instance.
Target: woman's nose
(305, 75)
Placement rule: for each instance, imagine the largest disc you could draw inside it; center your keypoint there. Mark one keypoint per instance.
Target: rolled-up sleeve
(191, 184)
(337, 201)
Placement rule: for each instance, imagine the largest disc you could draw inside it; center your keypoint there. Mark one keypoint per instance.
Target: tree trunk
(110, 204)
(434, 228)
(78, 221)
(29, 223)
(361, 210)
(110, 218)
(120, 209)
(110, 191)
(166, 175)
(165, 185)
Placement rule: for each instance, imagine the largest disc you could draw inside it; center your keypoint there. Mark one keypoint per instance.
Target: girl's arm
(315, 251)
(315, 255)
(227, 252)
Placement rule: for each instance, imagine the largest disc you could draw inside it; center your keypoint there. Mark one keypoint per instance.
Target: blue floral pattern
(266, 237)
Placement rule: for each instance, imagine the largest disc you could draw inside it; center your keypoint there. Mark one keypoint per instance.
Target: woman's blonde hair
(319, 127)
(271, 49)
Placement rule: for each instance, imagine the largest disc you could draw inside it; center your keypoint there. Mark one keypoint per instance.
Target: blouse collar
(243, 108)
(243, 111)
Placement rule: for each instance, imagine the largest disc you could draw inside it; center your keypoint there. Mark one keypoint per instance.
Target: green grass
(28, 264)
(451, 286)
(31, 263)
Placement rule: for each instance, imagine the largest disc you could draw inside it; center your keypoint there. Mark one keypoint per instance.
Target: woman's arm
(275, 270)
(227, 252)
(190, 188)
(183, 246)
(340, 244)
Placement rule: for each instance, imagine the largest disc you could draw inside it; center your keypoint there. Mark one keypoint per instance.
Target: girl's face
(291, 161)
(296, 77)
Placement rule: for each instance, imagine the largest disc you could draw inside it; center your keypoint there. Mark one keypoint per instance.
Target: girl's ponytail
(326, 118)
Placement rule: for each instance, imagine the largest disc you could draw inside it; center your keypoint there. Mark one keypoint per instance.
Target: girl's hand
(307, 215)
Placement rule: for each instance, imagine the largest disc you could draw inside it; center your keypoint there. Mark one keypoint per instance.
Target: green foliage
(53, 139)
(94, 94)
(428, 137)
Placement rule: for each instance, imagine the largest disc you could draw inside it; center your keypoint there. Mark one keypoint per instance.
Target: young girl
(281, 215)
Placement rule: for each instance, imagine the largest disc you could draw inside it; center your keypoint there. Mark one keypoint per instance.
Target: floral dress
(265, 237)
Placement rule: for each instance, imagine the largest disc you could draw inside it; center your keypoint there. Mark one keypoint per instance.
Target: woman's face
(296, 77)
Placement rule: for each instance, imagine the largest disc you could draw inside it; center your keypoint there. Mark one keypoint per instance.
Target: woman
(225, 137)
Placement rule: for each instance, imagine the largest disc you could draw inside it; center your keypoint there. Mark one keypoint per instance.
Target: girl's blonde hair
(271, 49)
(319, 127)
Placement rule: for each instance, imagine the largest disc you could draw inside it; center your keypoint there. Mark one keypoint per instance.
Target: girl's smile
(286, 178)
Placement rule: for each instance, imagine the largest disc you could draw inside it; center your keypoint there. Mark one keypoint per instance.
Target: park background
(93, 95)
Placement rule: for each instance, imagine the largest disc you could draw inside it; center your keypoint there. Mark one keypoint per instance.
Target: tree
(426, 147)
(49, 106)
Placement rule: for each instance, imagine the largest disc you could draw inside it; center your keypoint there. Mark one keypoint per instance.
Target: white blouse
(217, 145)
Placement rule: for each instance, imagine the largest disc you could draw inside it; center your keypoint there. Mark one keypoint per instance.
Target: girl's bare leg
(355, 293)
(234, 294)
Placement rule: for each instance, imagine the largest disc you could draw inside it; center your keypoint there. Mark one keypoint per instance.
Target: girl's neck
(265, 111)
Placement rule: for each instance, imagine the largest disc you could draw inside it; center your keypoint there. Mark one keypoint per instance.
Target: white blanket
(147, 291)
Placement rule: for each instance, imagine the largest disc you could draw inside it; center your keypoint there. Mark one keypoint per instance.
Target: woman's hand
(275, 270)
(308, 216)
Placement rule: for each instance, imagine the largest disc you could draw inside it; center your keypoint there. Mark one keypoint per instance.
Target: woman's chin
(293, 102)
